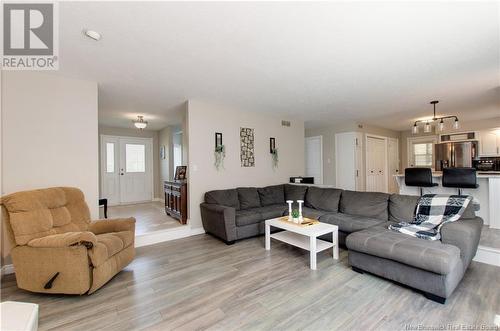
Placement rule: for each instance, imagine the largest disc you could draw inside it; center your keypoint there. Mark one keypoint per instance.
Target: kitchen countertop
(480, 174)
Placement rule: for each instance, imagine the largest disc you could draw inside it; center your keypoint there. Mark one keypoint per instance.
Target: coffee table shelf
(301, 241)
(304, 237)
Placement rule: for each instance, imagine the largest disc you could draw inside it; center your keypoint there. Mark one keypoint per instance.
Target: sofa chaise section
(433, 267)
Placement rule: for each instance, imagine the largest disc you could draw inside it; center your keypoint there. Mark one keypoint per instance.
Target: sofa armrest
(464, 234)
(219, 221)
(87, 239)
(112, 225)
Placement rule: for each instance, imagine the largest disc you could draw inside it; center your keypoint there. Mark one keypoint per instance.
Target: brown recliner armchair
(57, 249)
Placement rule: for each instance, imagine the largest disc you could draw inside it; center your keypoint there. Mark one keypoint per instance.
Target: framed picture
(218, 139)
(272, 145)
(162, 153)
(247, 147)
(180, 172)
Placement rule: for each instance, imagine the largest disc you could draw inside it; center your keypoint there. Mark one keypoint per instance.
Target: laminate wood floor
(150, 216)
(199, 283)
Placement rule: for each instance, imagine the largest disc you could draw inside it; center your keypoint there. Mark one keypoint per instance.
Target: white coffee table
(304, 237)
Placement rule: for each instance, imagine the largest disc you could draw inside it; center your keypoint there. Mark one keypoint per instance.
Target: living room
(250, 165)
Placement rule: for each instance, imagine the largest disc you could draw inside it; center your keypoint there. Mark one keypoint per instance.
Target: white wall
(49, 134)
(204, 120)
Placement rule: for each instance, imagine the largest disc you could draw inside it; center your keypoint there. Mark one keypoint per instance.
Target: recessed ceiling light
(92, 34)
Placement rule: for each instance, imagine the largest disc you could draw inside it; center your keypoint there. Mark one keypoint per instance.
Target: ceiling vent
(285, 123)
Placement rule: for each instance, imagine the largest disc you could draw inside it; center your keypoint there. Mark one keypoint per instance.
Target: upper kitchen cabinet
(489, 144)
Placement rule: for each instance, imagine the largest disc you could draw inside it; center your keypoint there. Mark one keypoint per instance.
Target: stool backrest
(459, 177)
(421, 177)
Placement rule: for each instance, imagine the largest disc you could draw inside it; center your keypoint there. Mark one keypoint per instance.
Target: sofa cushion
(295, 192)
(109, 244)
(312, 213)
(350, 223)
(246, 217)
(272, 195)
(323, 198)
(432, 256)
(271, 211)
(369, 204)
(227, 198)
(402, 208)
(248, 197)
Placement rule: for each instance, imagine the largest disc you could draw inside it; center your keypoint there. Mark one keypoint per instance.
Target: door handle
(121, 173)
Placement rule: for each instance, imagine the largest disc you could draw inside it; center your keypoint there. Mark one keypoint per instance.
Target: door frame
(148, 141)
(398, 157)
(320, 157)
(386, 166)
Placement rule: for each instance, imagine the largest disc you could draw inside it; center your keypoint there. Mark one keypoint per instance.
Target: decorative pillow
(248, 197)
(271, 195)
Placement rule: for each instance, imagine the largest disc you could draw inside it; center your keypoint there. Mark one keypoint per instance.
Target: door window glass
(110, 157)
(135, 158)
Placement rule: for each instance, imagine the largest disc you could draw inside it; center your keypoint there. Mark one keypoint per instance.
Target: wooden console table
(176, 199)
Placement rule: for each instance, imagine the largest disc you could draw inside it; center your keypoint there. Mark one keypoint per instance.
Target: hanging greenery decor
(220, 154)
(274, 155)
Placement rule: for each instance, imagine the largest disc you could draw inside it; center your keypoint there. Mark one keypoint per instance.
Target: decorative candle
(289, 209)
(300, 202)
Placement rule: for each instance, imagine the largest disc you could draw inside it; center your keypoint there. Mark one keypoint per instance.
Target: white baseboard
(488, 255)
(7, 269)
(166, 235)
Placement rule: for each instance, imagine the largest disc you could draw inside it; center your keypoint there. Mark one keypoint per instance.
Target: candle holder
(289, 209)
(300, 202)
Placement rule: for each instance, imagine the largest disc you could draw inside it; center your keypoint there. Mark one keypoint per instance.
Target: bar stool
(460, 178)
(419, 177)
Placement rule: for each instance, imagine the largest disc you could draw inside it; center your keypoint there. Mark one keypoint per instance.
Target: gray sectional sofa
(433, 267)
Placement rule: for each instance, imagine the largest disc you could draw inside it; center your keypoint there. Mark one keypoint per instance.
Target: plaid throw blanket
(433, 210)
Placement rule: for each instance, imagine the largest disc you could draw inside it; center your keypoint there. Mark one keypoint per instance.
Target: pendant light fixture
(140, 123)
(440, 125)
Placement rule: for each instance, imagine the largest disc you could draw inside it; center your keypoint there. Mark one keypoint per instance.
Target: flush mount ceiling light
(428, 123)
(140, 123)
(92, 34)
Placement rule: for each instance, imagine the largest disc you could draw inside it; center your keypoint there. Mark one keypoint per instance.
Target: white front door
(376, 164)
(314, 158)
(393, 161)
(126, 169)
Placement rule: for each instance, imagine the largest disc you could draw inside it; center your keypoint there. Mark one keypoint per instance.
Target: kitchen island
(486, 196)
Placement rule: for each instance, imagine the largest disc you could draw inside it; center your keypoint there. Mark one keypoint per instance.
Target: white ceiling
(376, 62)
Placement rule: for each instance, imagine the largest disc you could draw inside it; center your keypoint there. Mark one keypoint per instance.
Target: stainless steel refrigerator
(454, 154)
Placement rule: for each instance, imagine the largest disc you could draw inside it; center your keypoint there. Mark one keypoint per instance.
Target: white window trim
(424, 139)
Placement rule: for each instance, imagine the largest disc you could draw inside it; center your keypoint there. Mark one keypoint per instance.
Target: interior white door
(110, 163)
(314, 158)
(135, 170)
(393, 163)
(376, 161)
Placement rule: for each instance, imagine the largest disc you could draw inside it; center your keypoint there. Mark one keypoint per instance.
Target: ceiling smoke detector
(92, 34)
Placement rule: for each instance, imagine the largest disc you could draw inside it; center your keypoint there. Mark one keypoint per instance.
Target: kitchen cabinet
(489, 144)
